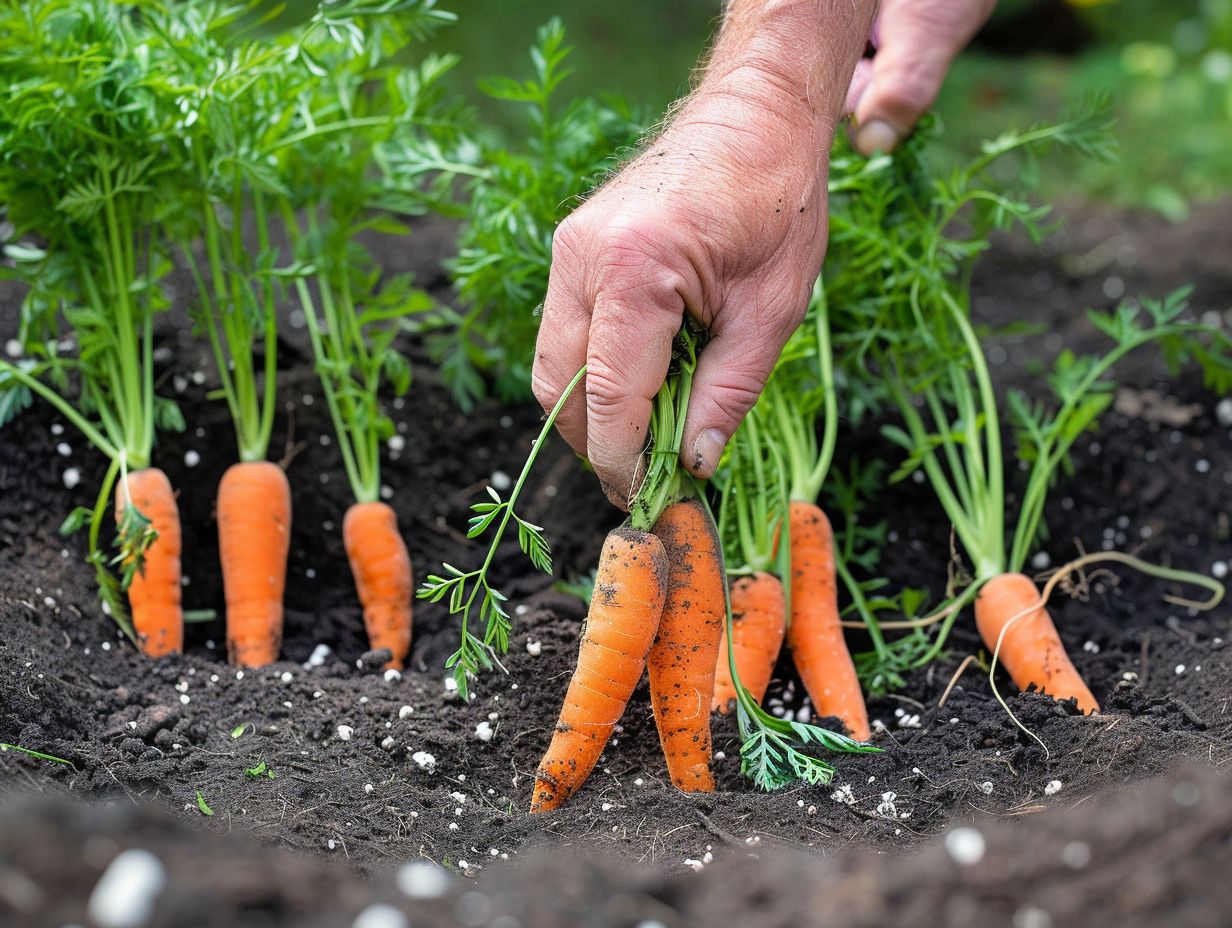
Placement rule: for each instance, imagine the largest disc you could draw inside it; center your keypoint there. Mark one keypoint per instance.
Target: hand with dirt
(723, 216)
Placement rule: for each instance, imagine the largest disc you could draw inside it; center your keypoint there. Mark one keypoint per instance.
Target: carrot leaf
(468, 591)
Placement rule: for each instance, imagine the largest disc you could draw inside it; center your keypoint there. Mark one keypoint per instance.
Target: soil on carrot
(323, 753)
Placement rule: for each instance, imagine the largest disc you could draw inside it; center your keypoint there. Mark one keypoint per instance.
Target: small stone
(483, 731)
(380, 916)
(125, 894)
(965, 846)
(424, 760)
(345, 732)
(1053, 787)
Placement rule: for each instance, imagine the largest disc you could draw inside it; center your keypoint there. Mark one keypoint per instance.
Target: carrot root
(630, 589)
(816, 634)
(682, 660)
(1031, 648)
(155, 592)
(758, 627)
(382, 570)
(254, 537)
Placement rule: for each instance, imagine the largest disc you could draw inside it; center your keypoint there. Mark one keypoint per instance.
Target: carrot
(382, 570)
(1031, 649)
(254, 535)
(630, 588)
(154, 594)
(758, 626)
(815, 634)
(682, 660)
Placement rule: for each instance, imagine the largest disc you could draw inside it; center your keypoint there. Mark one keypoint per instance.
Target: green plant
(90, 160)
(515, 202)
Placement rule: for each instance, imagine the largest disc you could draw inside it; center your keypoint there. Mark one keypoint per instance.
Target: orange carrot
(382, 570)
(154, 594)
(254, 535)
(815, 634)
(1031, 650)
(630, 587)
(682, 661)
(758, 625)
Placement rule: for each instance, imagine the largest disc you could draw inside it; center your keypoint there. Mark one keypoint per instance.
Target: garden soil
(1126, 812)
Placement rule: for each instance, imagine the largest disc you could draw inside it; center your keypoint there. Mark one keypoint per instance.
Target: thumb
(731, 371)
(917, 41)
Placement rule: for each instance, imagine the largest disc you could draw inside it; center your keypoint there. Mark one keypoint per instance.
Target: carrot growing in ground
(797, 394)
(236, 308)
(86, 170)
(751, 512)
(367, 108)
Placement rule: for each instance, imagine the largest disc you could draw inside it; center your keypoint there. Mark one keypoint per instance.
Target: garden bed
(353, 781)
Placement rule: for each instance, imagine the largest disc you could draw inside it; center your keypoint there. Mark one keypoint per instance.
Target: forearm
(794, 56)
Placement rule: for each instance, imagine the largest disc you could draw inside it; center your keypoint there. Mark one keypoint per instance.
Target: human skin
(723, 216)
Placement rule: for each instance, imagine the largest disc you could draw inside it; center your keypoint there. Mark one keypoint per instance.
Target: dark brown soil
(1156, 478)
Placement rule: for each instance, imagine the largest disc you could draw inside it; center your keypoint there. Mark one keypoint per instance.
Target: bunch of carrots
(185, 135)
(895, 328)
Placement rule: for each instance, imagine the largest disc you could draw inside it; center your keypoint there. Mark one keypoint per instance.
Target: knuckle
(604, 390)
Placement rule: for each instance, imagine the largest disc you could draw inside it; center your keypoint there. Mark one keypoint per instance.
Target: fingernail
(707, 451)
(875, 136)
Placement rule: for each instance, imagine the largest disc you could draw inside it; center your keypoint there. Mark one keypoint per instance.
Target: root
(1061, 575)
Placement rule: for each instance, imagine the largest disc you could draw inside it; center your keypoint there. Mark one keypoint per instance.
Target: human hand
(915, 41)
(723, 217)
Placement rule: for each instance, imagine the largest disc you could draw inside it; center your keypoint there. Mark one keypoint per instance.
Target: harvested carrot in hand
(154, 594)
(758, 626)
(630, 589)
(382, 570)
(1031, 649)
(682, 660)
(815, 633)
(254, 536)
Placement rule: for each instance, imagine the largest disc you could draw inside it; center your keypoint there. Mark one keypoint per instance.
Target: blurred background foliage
(1168, 66)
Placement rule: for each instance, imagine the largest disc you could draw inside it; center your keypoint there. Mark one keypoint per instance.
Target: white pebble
(405, 712)
(1053, 787)
(125, 894)
(380, 916)
(1223, 412)
(1219, 570)
(425, 760)
(693, 864)
(345, 732)
(1030, 916)
(396, 443)
(319, 653)
(985, 787)
(1041, 561)
(500, 480)
(191, 458)
(483, 731)
(388, 742)
(287, 676)
(72, 477)
(422, 879)
(965, 846)
(534, 648)
(64, 449)
(1076, 854)
(13, 348)
(1180, 669)
(368, 787)
(451, 685)
(393, 675)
